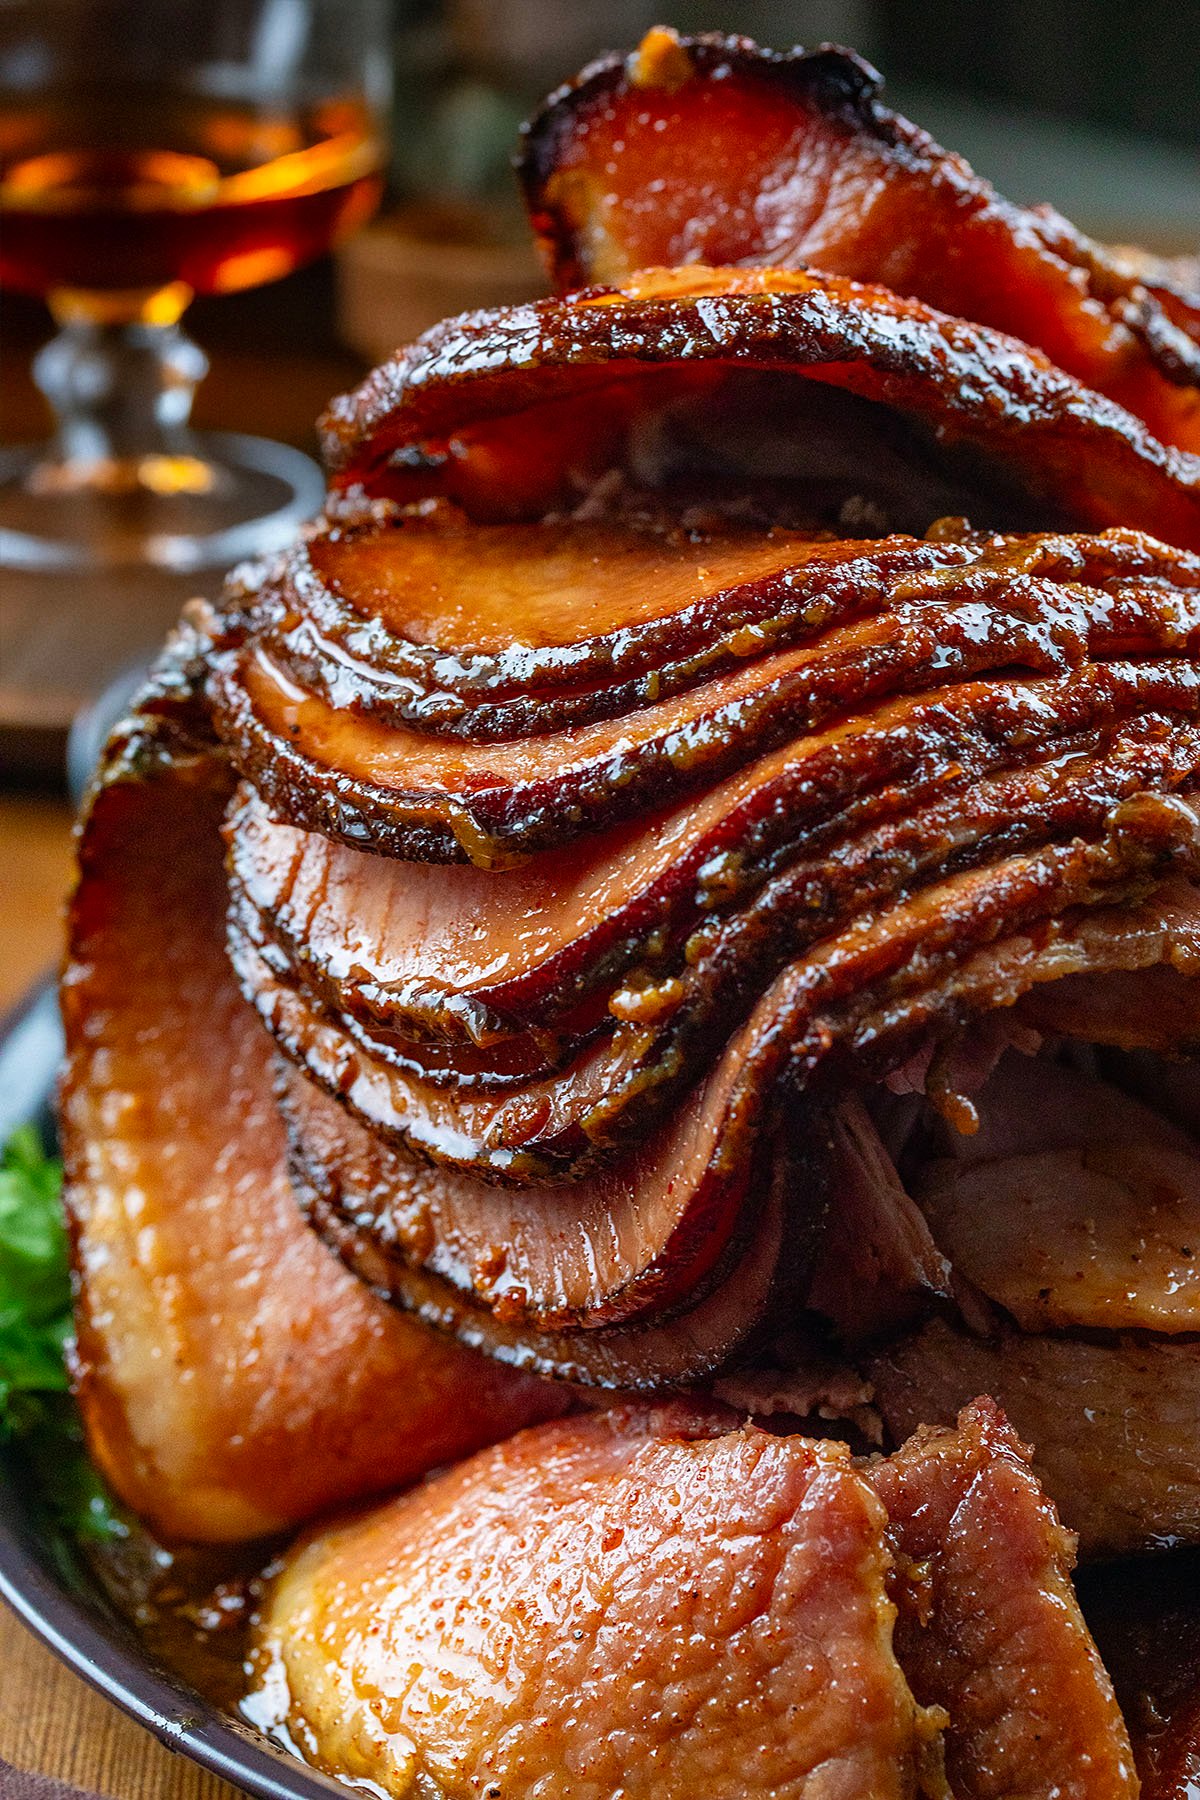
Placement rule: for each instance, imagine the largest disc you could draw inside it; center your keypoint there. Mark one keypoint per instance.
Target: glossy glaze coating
(724, 1604)
(1044, 604)
(495, 409)
(291, 1388)
(804, 166)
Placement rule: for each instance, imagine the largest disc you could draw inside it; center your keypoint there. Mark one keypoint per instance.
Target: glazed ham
(683, 883)
(292, 1389)
(987, 1625)
(704, 1581)
(649, 376)
(755, 815)
(804, 166)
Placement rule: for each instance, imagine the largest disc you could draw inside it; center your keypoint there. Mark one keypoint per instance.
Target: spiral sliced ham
(896, 786)
(651, 1280)
(711, 820)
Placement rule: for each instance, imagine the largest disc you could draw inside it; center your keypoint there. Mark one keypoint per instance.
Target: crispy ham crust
(496, 410)
(804, 166)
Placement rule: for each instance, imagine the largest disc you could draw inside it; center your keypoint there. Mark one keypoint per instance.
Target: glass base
(226, 498)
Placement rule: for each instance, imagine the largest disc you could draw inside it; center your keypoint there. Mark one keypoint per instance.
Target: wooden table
(271, 375)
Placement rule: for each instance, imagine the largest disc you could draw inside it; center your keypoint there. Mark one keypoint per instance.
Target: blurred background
(1091, 104)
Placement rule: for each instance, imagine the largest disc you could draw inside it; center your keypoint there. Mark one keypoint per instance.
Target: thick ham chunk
(652, 1603)
(610, 1606)
(989, 1626)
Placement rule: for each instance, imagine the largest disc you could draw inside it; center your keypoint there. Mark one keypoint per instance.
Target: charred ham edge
(643, 920)
(987, 1672)
(492, 410)
(988, 1625)
(186, 1243)
(720, 1327)
(653, 1232)
(400, 792)
(803, 165)
(857, 994)
(399, 621)
(1112, 1418)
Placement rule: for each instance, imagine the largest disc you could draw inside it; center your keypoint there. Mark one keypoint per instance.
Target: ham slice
(507, 413)
(803, 166)
(988, 1624)
(405, 792)
(723, 1624)
(719, 1326)
(411, 618)
(290, 1388)
(413, 615)
(1075, 1206)
(645, 1234)
(1103, 1237)
(1112, 1420)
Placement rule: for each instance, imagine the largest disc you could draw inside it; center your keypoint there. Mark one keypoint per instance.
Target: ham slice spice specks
(682, 887)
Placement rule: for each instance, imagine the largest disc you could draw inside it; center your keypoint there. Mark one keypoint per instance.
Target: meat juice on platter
(630, 1006)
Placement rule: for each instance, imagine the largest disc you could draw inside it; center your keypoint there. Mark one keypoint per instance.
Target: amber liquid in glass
(207, 198)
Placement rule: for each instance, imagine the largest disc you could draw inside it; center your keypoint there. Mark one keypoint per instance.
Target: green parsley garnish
(35, 1325)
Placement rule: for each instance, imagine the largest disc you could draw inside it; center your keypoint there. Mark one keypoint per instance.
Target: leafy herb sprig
(35, 1326)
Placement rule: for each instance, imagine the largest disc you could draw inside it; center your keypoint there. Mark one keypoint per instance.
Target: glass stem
(121, 394)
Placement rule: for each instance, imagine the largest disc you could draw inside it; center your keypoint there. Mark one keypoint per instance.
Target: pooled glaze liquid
(191, 1605)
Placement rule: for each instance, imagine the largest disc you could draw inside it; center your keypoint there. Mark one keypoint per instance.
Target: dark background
(1101, 62)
